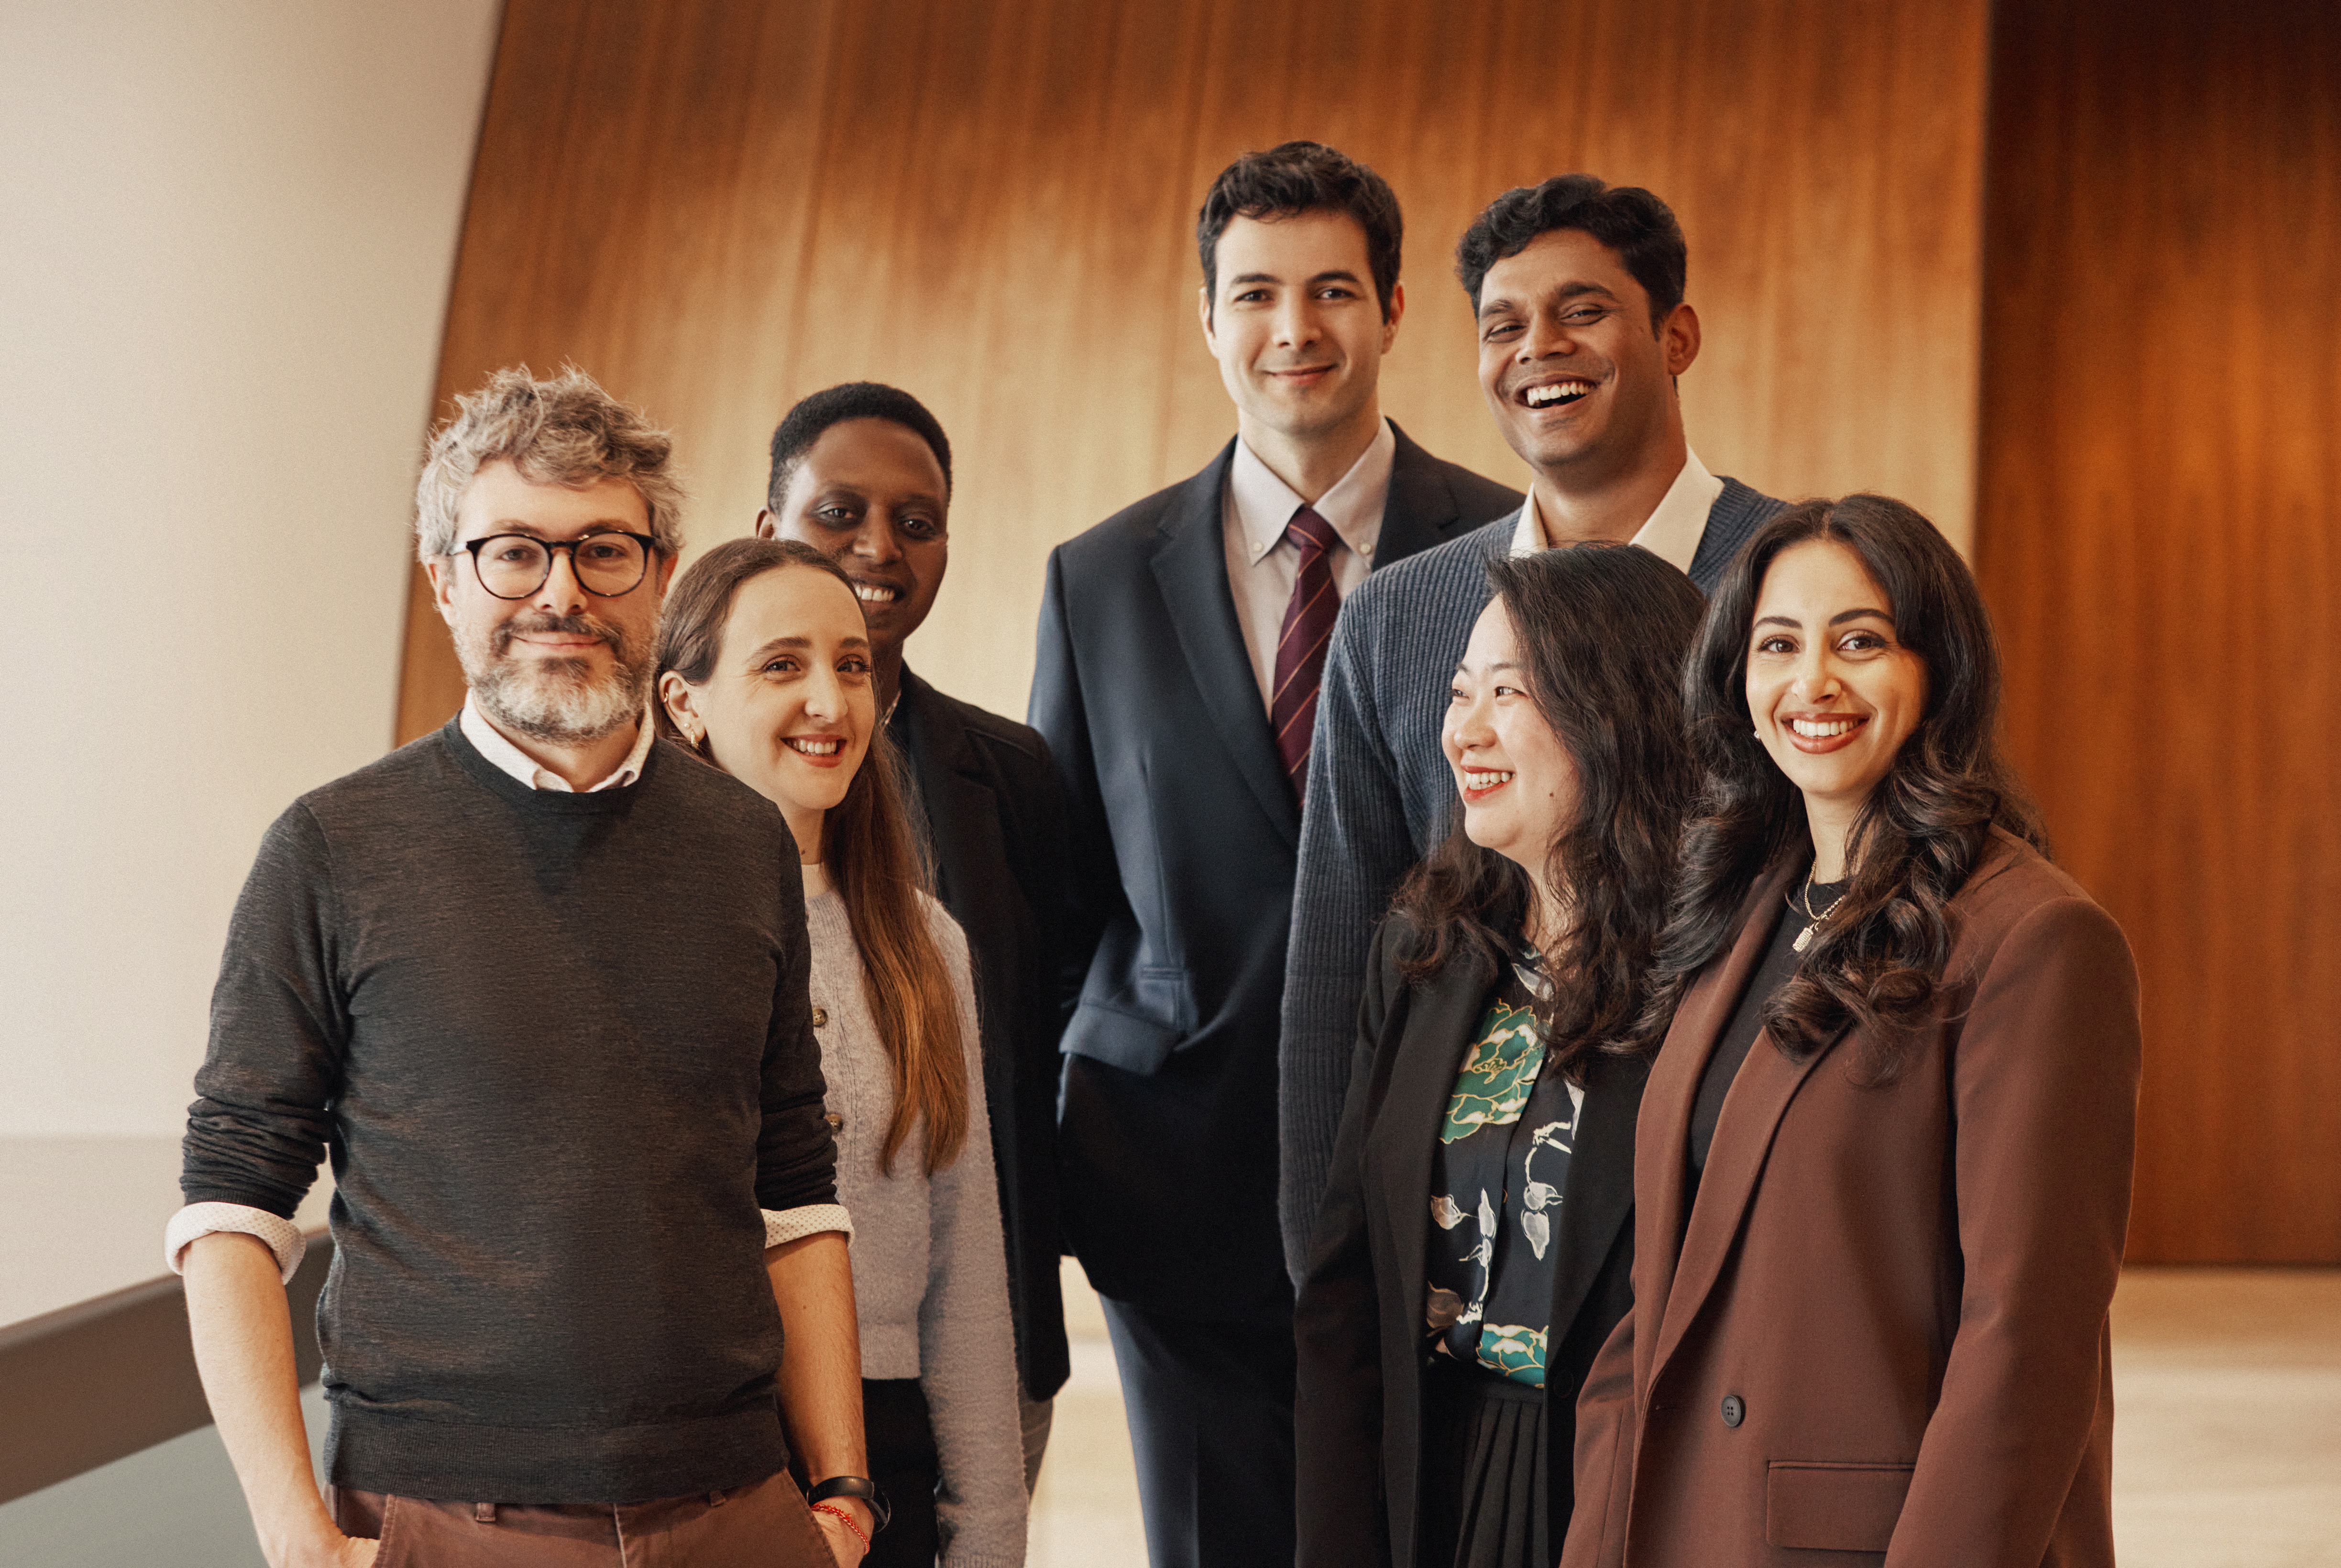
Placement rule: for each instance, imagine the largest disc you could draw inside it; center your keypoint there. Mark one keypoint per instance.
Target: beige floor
(2227, 1448)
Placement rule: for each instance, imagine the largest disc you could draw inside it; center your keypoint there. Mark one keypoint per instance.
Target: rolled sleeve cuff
(282, 1235)
(784, 1225)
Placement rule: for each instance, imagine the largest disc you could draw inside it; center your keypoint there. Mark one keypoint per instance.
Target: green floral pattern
(1500, 1173)
(1515, 1351)
(1499, 1075)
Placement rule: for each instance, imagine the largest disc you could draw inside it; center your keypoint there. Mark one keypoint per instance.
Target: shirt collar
(1671, 531)
(1264, 505)
(489, 742)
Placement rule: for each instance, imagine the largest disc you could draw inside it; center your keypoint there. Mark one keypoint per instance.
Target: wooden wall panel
(717, 208)
(2159, 458)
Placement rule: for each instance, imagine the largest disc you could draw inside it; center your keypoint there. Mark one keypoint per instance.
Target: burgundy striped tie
(1301, 649)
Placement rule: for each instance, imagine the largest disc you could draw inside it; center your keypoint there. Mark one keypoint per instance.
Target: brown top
(1881, 1327)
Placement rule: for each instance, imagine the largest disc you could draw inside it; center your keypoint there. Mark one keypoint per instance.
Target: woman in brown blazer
(1883, 1161)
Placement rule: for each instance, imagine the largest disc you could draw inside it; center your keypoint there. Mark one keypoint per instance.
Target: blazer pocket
(1820, 1505)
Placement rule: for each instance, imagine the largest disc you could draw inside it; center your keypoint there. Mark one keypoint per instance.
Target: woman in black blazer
(1472, 1252)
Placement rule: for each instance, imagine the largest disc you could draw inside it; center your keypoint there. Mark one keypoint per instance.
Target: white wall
(226, 233)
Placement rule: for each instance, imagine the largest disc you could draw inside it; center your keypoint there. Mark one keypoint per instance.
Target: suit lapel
(1190, 567)
(1420, 510)
(1443, 1024)
(1662, 1145)
(1759, 1098)
(963, 819)
(1599, 1194)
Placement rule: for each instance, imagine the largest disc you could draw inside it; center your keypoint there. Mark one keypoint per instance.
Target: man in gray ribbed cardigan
(1577, 287)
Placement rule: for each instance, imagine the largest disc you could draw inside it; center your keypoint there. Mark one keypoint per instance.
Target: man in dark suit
(1181, 643)
(1578, 288)
(862, 472)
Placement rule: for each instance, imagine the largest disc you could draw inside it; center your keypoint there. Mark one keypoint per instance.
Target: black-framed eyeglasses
(609, 565)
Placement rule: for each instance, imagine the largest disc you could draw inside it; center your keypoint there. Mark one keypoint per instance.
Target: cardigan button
(834, 1121)
(820, 1017)
(1735, 1410)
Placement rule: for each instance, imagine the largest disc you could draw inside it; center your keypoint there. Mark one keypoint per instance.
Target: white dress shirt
(283, 1238)
(1671, 532)
(491, 744)
(1264, 564)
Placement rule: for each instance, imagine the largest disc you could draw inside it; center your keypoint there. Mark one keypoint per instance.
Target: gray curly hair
(565, 430)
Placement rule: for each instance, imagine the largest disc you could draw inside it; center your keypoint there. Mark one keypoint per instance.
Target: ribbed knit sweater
(930, 1276)
(559, 1047)
(1381, 797)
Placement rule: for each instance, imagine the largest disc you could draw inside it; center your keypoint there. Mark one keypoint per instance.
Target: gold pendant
(1804, 938)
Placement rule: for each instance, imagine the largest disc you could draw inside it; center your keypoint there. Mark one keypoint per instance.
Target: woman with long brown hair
(764, 671)
(1883, 1166)
(1472, 1252)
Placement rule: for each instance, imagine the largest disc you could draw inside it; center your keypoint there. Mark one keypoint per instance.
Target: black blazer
(995, 816)
(1360, 1323)
(1182, 835)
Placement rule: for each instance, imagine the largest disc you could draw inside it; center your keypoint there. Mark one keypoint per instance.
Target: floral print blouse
(1496, 1182)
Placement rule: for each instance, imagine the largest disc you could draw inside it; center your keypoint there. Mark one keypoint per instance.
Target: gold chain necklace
(1813, 922)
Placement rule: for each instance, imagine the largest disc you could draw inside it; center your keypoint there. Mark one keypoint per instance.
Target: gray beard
(555, 701)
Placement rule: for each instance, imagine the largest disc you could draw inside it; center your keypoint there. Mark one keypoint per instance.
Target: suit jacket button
(820, 1017)
(1735, 1410)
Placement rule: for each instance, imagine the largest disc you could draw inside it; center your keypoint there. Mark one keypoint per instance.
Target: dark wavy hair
(1628, 219)
(809, 420)
(1295, 177)
(872, 849)
(1923, 831)
(1604, 627)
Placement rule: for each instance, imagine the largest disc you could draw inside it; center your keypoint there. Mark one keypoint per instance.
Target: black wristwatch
(860, 1487)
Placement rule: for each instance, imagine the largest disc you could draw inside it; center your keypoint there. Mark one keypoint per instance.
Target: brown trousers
(765, 1526)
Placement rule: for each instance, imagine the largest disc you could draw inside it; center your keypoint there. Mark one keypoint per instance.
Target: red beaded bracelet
(834, 1511)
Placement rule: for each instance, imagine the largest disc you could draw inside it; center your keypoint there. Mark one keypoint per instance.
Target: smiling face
(1517, 779)
(869, 495)
(561, 665)
(1295, 325)
(787, 709)
(1579, 384)
(1833, 691)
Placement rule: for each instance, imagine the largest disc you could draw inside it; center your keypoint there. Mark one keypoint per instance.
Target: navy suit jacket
(1183, 833)
(1381, 798)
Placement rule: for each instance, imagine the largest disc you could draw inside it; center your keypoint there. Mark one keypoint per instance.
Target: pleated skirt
(1485, 1472)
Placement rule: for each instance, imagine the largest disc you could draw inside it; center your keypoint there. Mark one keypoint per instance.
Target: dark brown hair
(1915, 843)
(1296, 177)
(1603, 628)
(874, 855)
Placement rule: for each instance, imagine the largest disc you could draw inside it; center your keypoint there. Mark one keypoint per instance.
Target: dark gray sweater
(559, 1048)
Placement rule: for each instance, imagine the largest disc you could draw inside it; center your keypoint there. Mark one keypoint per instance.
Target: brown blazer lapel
(1674, 1277)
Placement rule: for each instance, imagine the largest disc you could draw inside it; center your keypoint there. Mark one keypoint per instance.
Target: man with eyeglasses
(538, 987)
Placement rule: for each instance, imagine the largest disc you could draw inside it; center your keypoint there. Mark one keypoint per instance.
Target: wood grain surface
(718, 208)
(2156, 534)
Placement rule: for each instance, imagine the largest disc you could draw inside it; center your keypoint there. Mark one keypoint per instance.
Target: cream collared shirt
(491, 743)
(1671, 532)
(1263, 565)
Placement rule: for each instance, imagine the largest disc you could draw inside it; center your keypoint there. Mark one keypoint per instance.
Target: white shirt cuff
(201, 1219)
(784, 1225)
